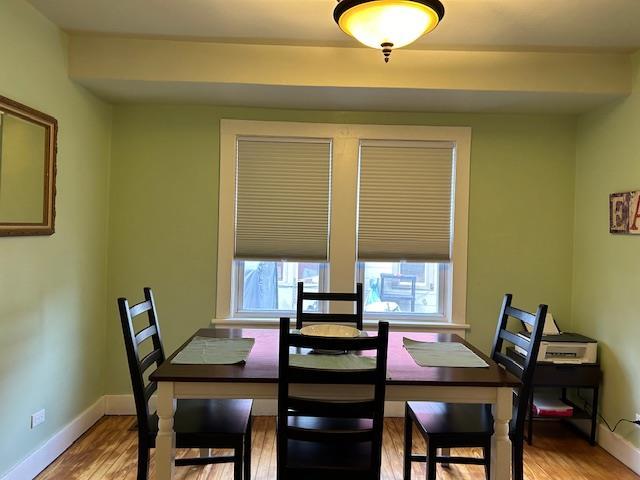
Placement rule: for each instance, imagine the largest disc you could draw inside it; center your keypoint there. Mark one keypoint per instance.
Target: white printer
(562, 347)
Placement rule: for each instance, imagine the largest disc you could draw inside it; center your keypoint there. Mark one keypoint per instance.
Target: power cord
(635, 422)
(588, 408)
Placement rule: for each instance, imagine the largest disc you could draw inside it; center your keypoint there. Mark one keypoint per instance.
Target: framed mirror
(28, 142)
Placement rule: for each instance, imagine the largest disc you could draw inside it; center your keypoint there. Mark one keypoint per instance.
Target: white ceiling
(468, 24)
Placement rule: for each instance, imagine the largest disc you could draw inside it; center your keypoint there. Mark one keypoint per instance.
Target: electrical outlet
(37, 418)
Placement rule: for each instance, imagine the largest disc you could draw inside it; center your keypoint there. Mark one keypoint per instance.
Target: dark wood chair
(330, 439)
(445, 425)
(316, 317)
(202, 424)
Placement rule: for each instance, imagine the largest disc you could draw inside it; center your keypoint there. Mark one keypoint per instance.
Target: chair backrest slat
(529, 344)
(343, 409)
(141, 307)
(510, 364)
(150, 359)
(341, 377)
(145, 333)
(149, 390)
(327, 296)
(514, 339)
(303, 317)
(330, 436)
(325, 343)
(142, 388)
(292, 407)
(526, 317)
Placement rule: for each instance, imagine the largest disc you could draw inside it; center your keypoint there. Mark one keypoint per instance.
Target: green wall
(607, 267)
(53, 289)
(163, 209)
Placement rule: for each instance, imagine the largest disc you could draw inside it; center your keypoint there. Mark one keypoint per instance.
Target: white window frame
(343, 267)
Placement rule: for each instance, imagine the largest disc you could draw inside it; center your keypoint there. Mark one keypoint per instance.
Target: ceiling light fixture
(388, 24)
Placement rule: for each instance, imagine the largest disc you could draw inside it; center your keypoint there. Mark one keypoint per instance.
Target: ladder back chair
(336, 438)
(302, 317)
(445, 425)
(201, 424)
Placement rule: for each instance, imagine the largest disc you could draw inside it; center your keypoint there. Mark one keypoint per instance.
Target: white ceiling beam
(104, 58)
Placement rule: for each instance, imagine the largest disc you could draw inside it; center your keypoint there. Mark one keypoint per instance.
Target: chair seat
(470, 421)
(198, 420)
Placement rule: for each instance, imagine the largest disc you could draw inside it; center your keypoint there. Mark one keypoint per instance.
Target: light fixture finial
(386, 50)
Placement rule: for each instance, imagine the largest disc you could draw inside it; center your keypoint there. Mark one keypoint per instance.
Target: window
(281, 221)
(330, 205)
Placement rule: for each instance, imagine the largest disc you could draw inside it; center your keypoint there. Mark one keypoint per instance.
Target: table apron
(269, 391)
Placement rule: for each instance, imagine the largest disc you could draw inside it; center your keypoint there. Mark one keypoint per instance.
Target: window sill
(397, 325)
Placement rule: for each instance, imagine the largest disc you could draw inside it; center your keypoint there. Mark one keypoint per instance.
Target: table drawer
(566, 375)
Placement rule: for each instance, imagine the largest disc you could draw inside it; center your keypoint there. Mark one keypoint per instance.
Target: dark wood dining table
(258, 377)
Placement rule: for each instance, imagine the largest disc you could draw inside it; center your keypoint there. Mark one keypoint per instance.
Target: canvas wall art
(624, 213)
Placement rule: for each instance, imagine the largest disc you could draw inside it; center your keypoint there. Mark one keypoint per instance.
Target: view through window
(402, 288)
(268, 286)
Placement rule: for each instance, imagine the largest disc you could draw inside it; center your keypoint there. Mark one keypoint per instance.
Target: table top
(262, 363)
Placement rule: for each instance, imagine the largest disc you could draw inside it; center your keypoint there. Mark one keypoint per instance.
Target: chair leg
(247, 452)
(408, 445)
(205, 452)
(487, 460)
(143, 459)
(432, 452)
(238, 453)
(517, 460)
(530, 420)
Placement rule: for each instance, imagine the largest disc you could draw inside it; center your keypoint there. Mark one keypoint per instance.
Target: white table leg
(500, 442)
(166, 439)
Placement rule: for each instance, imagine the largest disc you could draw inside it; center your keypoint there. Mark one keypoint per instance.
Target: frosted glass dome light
(388, 24)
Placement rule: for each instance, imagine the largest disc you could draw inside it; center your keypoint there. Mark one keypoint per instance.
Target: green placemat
(442, 354)
(215, 351)
(347, 361)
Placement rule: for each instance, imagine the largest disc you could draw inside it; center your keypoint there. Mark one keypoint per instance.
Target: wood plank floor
(108, 451)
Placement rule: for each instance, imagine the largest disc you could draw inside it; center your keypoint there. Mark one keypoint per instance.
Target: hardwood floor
(108, 451)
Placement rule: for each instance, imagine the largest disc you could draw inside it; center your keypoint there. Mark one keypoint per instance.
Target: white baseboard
(619, 447)
(56, 445)
(124, 404)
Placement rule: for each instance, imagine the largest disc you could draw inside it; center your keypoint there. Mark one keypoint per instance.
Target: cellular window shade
(282, 199)
(405, 201)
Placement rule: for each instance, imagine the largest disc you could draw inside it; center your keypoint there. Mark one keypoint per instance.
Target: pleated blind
(282, 199)
(405, 201)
